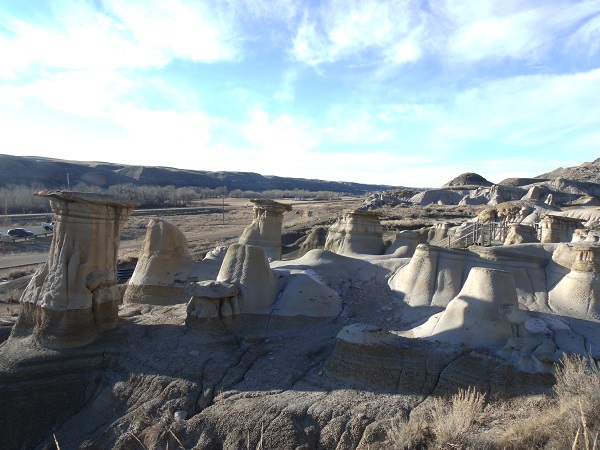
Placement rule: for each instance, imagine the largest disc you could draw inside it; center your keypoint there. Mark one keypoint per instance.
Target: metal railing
(484, 234)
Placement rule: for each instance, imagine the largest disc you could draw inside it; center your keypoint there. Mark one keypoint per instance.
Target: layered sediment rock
(75, 295)
(163, 268)
(404, 244)
(356, 232)
(485, 313)
(265, 229)
(249, 297)
(559, 228)
(435, 275)
(577, 293)
(520, 234)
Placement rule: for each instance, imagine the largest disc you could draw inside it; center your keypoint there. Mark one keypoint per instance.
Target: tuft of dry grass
(569, 418)
(451, 423)
(572, 420)
(19, 272)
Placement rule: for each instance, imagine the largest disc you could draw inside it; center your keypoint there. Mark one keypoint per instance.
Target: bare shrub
(572, 420)
(19, 272)
(453, 422)
(408, 433)
(449, 423)
(578, 391)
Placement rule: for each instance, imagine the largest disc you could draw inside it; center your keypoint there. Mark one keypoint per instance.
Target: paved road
(27, 259)
(7, 262)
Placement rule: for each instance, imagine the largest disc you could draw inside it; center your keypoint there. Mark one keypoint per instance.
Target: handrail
(476, 233)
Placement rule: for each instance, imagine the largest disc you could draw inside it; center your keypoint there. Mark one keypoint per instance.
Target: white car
(48, 226)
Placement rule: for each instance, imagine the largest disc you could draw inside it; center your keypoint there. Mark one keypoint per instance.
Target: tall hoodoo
(74, 295)
(265, 229)
(356, 232)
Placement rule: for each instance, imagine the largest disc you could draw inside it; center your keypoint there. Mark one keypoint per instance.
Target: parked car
(19, 232)
(48, 226)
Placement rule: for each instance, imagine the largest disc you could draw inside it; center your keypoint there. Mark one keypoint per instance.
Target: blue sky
(407, 93)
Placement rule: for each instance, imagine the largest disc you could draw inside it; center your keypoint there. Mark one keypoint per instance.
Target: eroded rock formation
(265, 229)
(356, 232)
(559, 228)
(480, 315)
(74, 295)
(163, 269)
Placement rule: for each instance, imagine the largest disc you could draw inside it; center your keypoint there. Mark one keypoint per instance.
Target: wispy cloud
(339, 30)
(395, 33)
(120, 35)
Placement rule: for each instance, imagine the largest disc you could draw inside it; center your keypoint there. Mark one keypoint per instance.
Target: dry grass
(19, 272)
(450, 423)
(568, 419)
(453, 422)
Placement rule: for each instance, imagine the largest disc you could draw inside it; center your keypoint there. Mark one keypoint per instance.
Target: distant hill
(467, 179)
(588, 171)
(53, 174)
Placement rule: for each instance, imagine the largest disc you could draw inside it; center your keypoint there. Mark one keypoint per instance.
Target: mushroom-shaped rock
(212, 307)
(162, 271)
(247, 267)
(520, 234)
(75, 294)
(559, 228)
(577, 293)
(483, 314)
(356, 232)
(265, 229)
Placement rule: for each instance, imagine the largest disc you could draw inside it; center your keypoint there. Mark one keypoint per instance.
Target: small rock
(195, 353)
(180, 414)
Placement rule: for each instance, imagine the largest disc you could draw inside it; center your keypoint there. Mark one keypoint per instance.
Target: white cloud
(197, 31)
(283, 133)
(81, 93)
(395, 33)
(122, 35)
(586, 39)
(343, 29)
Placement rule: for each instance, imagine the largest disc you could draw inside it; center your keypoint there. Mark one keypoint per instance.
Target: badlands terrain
(458, 317)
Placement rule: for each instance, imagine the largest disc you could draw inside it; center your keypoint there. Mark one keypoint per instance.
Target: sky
(404, 93)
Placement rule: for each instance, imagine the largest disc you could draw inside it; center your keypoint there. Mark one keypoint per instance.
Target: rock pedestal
(247, 267)
(559, 228)
(265, 229)
(577, 293)
(356, 232)
(75, 295)
(485, 313)
(520, 234)
(162, 270)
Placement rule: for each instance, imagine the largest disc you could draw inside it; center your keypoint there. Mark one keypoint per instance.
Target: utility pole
(223, 197)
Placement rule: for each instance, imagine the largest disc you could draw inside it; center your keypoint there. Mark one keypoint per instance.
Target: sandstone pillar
(265, 229)
(356, 232)
(558, 228)
(74, 295)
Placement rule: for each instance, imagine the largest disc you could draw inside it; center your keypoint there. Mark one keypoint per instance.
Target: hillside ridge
(56, 173)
